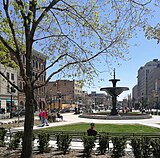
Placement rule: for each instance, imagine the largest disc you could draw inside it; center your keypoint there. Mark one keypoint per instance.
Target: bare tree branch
(38, 39)
(141, 4)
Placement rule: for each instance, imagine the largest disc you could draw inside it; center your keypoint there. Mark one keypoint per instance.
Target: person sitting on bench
(59, 116)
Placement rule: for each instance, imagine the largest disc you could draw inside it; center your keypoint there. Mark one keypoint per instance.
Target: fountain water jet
(114, 92)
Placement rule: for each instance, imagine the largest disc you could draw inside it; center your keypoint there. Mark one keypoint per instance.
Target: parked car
(54, 110)
(65, 110)
(20, 112)
(2, 111)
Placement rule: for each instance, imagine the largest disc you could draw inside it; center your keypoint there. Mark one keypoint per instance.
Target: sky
(127, 72)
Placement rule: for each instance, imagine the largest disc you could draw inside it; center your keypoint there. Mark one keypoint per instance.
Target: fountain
(114, 92)
(114, 115)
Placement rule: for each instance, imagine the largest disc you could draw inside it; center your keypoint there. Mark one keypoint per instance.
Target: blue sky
(127, 72)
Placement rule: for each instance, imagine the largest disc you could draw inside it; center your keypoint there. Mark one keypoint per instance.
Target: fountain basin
(114, 91)
(116, 117)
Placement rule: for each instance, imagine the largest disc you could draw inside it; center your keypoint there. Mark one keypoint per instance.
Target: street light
(142, 102)
(12, 91)
(59, 99)
(157, 104)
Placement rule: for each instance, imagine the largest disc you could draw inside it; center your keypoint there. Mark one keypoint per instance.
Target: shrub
(136, 147)
(15, 141)
(52, 118)
(141, 147)
(2, 135)
(89, 144)
(63, 142)
(146, 147)
(119, 144)
(155, 143)
(43, 140)
(103, 143)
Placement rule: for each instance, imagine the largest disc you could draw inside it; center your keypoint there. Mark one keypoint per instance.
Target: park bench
(59, 117)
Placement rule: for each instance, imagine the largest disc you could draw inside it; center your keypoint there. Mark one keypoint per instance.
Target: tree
(72, 33)
(152, 31)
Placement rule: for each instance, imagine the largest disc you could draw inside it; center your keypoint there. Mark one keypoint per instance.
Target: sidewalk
(70, 118)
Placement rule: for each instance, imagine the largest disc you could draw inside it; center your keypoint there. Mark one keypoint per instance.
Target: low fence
(78, 134)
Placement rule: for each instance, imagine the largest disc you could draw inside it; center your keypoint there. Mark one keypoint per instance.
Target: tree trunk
(28, 124)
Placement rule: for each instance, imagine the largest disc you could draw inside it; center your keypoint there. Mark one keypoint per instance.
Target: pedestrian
(92, 131)
(41, 116)
(45, 116)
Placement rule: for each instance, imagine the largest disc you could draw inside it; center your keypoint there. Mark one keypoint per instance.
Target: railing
(80, 134)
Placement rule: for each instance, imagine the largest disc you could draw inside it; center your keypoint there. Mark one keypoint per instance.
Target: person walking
(45, 116)
(41, 116)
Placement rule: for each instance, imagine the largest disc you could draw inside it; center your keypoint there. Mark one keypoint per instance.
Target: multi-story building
(38, 64)
(65, 91)
(135, 96)
(8, 95)
(148, 81)
(100, 99)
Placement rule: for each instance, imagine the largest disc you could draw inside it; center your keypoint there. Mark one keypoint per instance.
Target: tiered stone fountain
(114, 92)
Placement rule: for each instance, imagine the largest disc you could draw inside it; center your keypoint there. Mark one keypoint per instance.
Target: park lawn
(111, 128)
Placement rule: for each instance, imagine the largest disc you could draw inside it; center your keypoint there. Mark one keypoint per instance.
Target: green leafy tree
(72, 34)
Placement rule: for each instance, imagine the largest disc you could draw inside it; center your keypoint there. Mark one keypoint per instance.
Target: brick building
(64, 92)
(38, 64)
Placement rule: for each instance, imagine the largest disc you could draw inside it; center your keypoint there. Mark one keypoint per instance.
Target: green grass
(119, 128)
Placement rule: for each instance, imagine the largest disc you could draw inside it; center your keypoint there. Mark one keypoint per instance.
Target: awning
(9, 100)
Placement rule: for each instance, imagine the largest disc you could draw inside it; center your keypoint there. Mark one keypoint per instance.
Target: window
(42, 66)
(8, 89)
(7, 75)
(39, 65)
(44, 89)
(23, 59)
(12, 77)
(33, 64)
(36, 64)
(21, 85)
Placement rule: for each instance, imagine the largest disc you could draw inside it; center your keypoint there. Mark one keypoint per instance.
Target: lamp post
(142, 102)
(12, 91)
(157, 104)
(59, 99)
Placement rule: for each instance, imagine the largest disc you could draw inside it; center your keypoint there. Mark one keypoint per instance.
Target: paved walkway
(70, 118)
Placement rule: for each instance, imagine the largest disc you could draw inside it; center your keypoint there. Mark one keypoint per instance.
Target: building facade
(8, 95)
(148, 84)
(38, 65)
(100, 99)
(64, 91)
